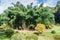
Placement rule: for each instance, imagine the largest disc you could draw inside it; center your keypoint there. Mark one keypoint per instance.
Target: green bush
(53, 31)
(9, 32)
(37, 33)
(24, 36)
(31, 26)
(2, 30)
(4, 26)
(17, 36)
(31, 37)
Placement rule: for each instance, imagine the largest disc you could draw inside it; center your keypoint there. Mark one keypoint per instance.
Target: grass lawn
(55, 28)
(3, 37)
(48, 35)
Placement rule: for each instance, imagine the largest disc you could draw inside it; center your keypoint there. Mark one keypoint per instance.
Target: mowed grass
(49, 35)
(56, 28)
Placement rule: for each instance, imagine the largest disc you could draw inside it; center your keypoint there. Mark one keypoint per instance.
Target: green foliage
(4, 26)
(18, 15)
(24, 36)
(17, 36)
(9, 32)
(57, 13)
(31, 37)
(53, 31)
(31, 26)
(37, 33)
(2, 30)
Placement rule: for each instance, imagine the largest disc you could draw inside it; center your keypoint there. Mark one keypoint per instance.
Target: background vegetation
(42, 19)
(21, 17)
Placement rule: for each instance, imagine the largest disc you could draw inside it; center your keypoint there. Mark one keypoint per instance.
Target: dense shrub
(4, 26)
(37, 33)
(2, 30)
(17, 36)
(53, 31)
(40, 28)
(31, 26)
(24, 36)
(9, 32)
(31, 37)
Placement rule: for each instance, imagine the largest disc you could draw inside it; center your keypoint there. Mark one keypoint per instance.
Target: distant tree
(57, 14)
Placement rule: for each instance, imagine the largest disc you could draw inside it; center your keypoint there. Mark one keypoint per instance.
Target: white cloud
(1, 9)
(50, 3)
(26, 2)
(4, 4)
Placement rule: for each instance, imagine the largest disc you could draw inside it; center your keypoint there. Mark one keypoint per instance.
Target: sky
(4, 4)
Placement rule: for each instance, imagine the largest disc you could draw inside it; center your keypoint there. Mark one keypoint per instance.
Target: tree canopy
(19, 16)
